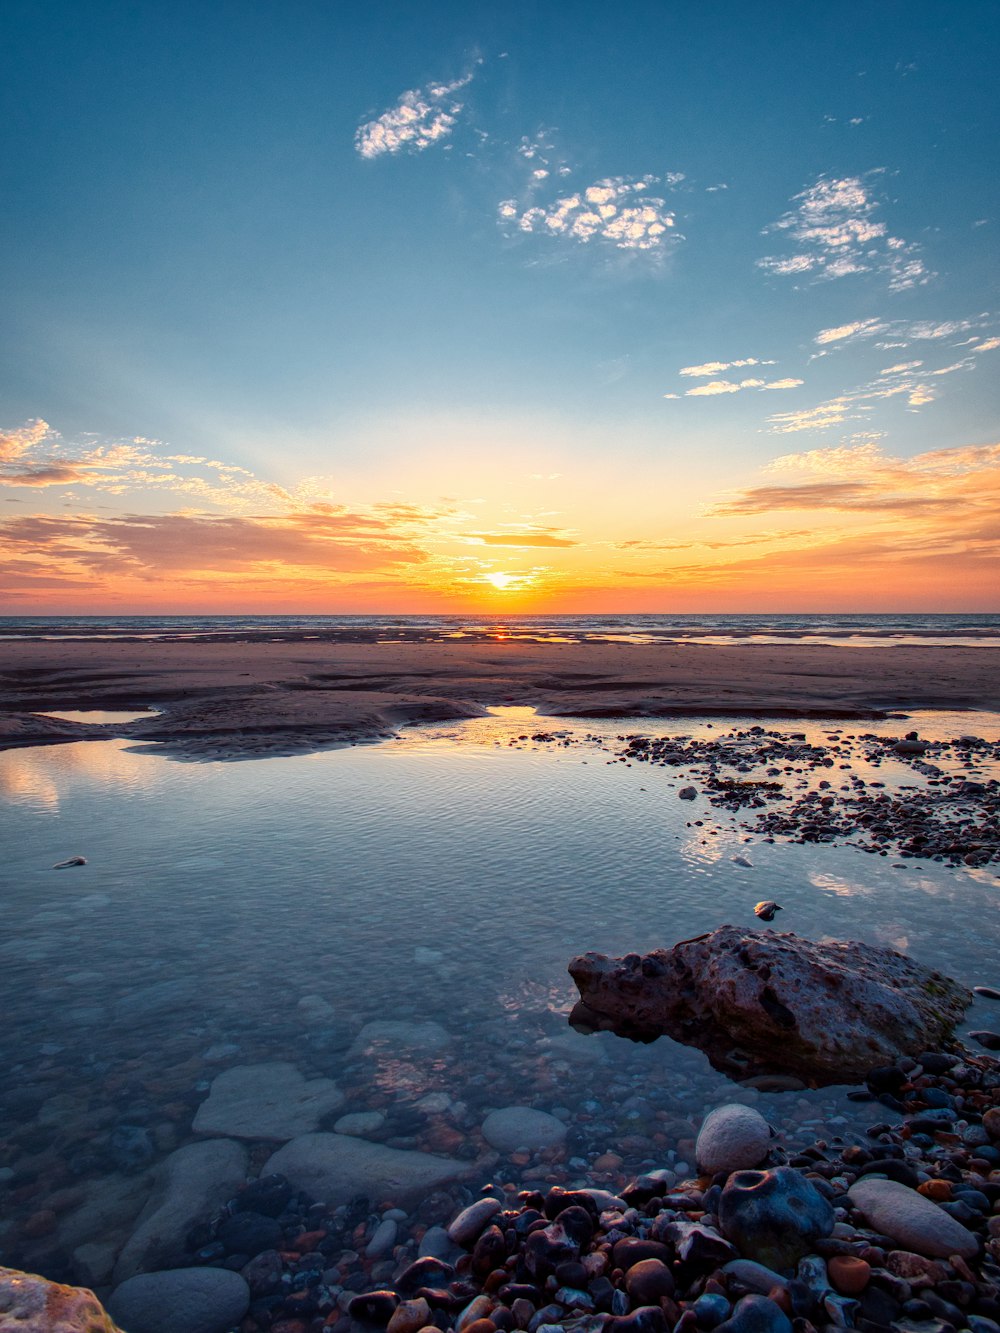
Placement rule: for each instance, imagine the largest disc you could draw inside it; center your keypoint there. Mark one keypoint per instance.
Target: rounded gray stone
(732, 1138)
(266, 1101)
(180, 1300)
(913, 1221)
(516, 1127)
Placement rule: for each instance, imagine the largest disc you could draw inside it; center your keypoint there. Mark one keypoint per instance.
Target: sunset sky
(673, 306)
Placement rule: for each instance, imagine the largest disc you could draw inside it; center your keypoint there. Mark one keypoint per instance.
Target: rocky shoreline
(894, 1229)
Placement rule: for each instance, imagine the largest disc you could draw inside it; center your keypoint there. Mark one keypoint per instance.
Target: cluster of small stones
(945, 816)
(663, 1252)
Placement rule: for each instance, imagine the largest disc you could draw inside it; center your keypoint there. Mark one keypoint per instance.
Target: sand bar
(237, 694)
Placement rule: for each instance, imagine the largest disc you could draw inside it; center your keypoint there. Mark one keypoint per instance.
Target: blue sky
(459, 258)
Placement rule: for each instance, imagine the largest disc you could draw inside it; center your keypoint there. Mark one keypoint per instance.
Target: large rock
(31, 1304)
(266, 1101)
(913, 1222)
(829, 1011)
(732, 1138)
(389, 1034)
(336, 1168)
(181, 1300)
(190, 1184)
(515, 1127)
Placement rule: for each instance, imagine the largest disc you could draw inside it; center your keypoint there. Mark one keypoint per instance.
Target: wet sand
(238, 698)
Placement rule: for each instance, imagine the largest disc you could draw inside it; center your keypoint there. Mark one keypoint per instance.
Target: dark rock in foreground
(828, 1012)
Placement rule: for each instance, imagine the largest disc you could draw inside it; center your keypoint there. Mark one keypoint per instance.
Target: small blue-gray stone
(756, 1314)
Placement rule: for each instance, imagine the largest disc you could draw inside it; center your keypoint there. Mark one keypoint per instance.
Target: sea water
(447, 876)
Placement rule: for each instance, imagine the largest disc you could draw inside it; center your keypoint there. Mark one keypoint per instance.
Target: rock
(991, 1040)
(756, 1314)
(189, 1185)
(991, 1122)
(374, 1307)
(181, 1300)
(849, 1274)
(263, 1273)
(410, 1317)
(648, 1281)
(828, 1011)
(249, 1233)
(391, 1034)
(466, 1227)
(359, 1123)
(914, 1222)
(516, 1127)
(435, 1243)
(774, 1216)
(337, 1168)
(109, 1211)
(732, 1138)
(266, 1101)
(31, 1304)
(94, 1263)
(383, 1239)
(687, 794)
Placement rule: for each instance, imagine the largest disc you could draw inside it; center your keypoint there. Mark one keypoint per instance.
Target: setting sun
(505, 582)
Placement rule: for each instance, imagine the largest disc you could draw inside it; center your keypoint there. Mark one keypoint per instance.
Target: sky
(311, 306)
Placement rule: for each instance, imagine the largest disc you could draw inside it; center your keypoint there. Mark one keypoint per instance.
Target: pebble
(910, 1219)
(516, 1127)
(731, 1138)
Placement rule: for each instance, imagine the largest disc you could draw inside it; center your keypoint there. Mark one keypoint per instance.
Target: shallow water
(448, 875)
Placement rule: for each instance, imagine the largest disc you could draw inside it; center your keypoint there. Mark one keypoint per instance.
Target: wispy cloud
(552, 537)
(717, 367)
(833, 231)
(421, 117)
(902, 332)
(715, 387)
(959, 488)
(619, 211)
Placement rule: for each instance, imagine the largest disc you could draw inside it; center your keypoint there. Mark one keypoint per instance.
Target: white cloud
(715, 387)
(421, 117)
(990, 345)
(901, 368)
(617, 209)
(835, 233)
(716, 367)
(860, 328)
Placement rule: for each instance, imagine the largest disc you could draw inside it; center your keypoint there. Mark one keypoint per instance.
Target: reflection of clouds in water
(837, 884)
(38, 776)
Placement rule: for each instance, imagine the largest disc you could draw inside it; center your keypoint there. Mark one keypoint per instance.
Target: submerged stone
(774, 1217)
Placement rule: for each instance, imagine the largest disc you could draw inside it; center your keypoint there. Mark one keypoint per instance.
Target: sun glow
(504, 582)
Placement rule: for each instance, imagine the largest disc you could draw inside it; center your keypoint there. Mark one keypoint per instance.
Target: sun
(503, 582)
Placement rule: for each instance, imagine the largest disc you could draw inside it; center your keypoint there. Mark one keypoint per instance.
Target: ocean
(860, 629)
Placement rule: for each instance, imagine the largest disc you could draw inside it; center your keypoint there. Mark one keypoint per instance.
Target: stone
(466, 1227)
(913, 1221)
(849, 1274)
(991, 1122)
(359, 1123)
(430, 1038)
(774, 1216)
(181, 1300)
(410, 1317)
(249, 1233)
(189, 1185)
(756, 1314)
(732, 1138)
(383, 1239)
(109, 1210)
(516, 1127)
(94, 1263)
(374, 1307)
(263, 1273)
(31, 1304)
(314, 1010)
(648, 1281)
(266, 1101)
(337, 1168)
(826, 1011)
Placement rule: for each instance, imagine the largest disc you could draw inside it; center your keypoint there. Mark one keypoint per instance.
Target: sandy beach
(236, 696)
